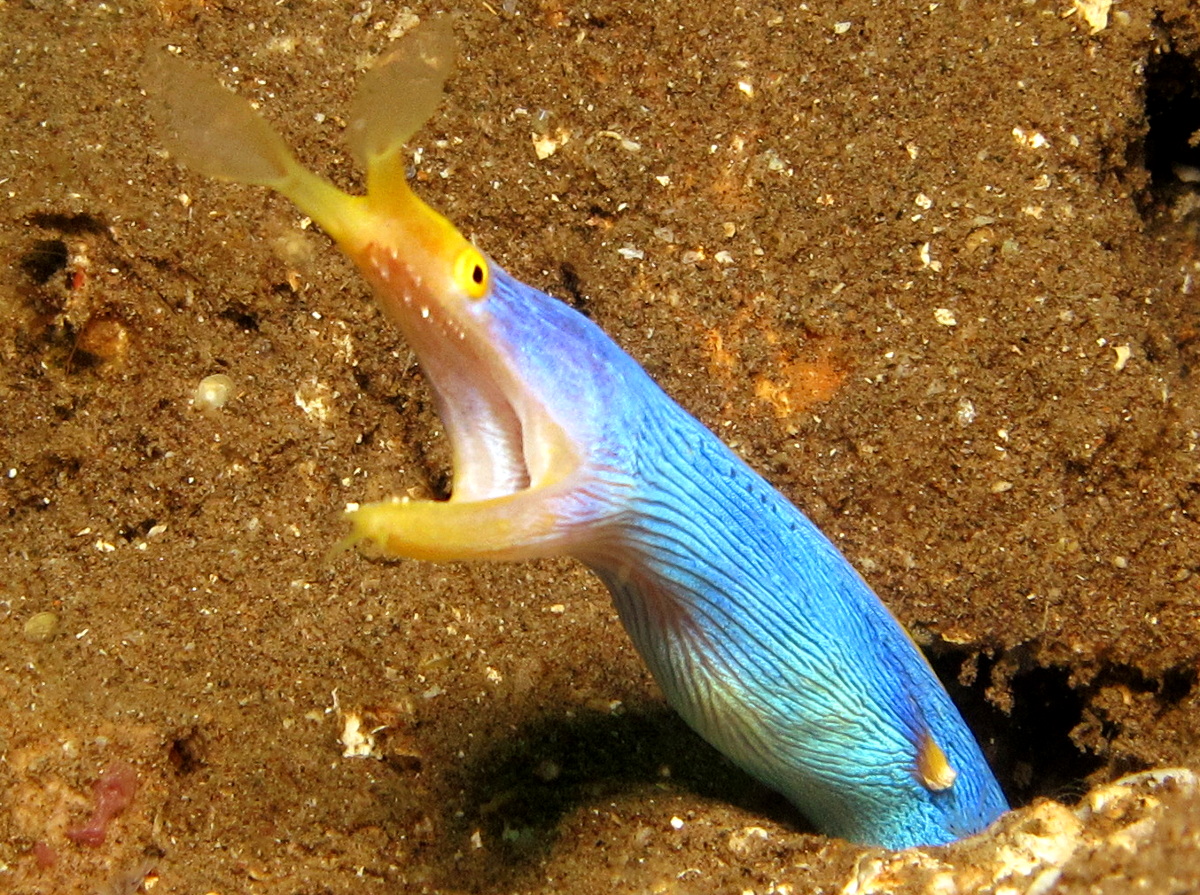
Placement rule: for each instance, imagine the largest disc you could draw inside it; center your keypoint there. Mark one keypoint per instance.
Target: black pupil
(477, 274)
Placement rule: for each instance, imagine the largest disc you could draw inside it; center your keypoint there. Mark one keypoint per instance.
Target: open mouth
(487, 429)
(502, 437)
(518, 489)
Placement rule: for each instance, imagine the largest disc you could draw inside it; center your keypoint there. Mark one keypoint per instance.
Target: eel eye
(471, 273)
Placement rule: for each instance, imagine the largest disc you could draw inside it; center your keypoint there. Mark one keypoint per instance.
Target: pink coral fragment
(114, 791)
(44, 854)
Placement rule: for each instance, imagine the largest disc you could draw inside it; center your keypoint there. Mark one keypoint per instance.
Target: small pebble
(41, 627)
(213, 392)
(105, 339)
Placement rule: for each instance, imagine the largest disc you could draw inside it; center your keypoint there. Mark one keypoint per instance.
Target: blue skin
(760, 633)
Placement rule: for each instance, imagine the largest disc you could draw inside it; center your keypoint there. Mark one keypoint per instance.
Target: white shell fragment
(356, 742)
(545, 145)
(1123, 354)
(316, 399)
(1029, 139)
(1095, 13)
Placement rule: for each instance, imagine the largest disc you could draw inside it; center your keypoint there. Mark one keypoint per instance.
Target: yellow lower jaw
(525, 525)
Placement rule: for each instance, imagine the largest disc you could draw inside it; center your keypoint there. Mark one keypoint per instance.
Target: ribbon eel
(759, 632)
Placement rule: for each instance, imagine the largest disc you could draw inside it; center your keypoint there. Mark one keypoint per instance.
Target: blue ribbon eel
(759, 632)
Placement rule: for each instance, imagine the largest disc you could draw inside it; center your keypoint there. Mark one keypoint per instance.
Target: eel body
(760, 633)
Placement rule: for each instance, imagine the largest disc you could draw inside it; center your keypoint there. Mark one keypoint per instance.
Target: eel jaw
(518, 489)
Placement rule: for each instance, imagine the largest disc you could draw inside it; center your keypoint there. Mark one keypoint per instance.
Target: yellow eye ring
(471, 273)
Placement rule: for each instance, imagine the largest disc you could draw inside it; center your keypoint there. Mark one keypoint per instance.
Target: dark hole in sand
(1172, 142)
(69, 224)
(46, 258)
(242, 317)
(1030, 748)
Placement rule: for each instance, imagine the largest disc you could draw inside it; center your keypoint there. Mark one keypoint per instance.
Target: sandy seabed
(930, 267)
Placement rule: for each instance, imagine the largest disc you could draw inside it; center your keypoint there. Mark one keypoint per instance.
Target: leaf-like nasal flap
(401, 92)
(210, 129)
